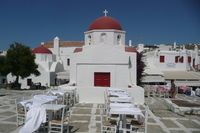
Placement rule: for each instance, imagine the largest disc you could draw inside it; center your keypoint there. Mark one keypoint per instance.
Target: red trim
(78, 50)
(41, 50)
(130, 49)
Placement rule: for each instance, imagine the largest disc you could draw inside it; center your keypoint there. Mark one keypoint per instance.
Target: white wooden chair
(105, 101)
(60, 124)
(60, 98)
(21, 110)
(77, 98)
(129, 118)
(146, 90)
(135, 125)
(109, 116)
(107, 125)
(20, 113)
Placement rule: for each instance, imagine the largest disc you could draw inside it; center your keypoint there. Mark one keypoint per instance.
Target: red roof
(78, 50)
(130, 49)
(105, 23)
(41, 50)
(65, 44)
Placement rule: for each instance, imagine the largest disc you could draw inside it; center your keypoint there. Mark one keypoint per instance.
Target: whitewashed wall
(111, 37)
(170, 64)
(103, 58)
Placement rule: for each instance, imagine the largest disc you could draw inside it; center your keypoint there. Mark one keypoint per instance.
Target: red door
(102, 79)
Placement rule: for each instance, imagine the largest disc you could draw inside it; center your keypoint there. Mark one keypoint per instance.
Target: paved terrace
(85, 117)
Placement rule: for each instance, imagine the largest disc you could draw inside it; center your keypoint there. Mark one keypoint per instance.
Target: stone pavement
(85, 117)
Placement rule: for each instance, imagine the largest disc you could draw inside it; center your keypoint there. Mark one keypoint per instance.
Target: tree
(3, 68)
(140, 68)
(19, 61)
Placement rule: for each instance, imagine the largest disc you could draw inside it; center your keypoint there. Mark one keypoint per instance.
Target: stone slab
(189, 124)
(169, 124)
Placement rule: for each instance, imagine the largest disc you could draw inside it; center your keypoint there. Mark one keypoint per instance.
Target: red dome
(41, 50)
(105, 23)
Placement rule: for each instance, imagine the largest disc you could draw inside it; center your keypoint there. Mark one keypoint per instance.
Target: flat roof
(180, 75)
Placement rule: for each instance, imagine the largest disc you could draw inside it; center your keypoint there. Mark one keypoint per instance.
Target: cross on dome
(105, 11)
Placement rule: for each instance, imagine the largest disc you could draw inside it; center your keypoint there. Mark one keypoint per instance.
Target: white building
(174, 63)
(47, 66)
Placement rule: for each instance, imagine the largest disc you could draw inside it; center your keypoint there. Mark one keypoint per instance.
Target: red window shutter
(176, 59)
(189, 59)
(181, 59)
(162, 58)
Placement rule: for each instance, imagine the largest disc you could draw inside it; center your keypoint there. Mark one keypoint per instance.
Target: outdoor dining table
(56, 92)
(52, 107)
(45, 97)
(120, 99)
(39, 100)
(119, 94)
(121, 105)
(122, 112)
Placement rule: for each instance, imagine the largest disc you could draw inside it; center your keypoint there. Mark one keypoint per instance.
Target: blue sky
(31, 22)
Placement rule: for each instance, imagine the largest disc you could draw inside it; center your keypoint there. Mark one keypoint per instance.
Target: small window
(89, 40)
(4, 81)
(29, 82)
(118, 39)
(68, 62)
(179, 59)
(162, 58)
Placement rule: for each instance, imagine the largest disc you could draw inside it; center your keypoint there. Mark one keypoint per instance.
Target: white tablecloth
(120, 99)
(121, 105)
(126, 111)
(56, 92)
(36, 102)
(35, 116)
(52, 106)
(51, 98)
(119, 94)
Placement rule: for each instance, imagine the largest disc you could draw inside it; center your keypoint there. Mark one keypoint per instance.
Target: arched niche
(89, 39)
(103, 38)
(119, 40)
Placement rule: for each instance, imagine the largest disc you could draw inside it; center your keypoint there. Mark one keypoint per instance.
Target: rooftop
(64, 44)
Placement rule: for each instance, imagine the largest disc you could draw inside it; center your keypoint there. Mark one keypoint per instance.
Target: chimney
(174, 44)
(42, 43)
(130, 43)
